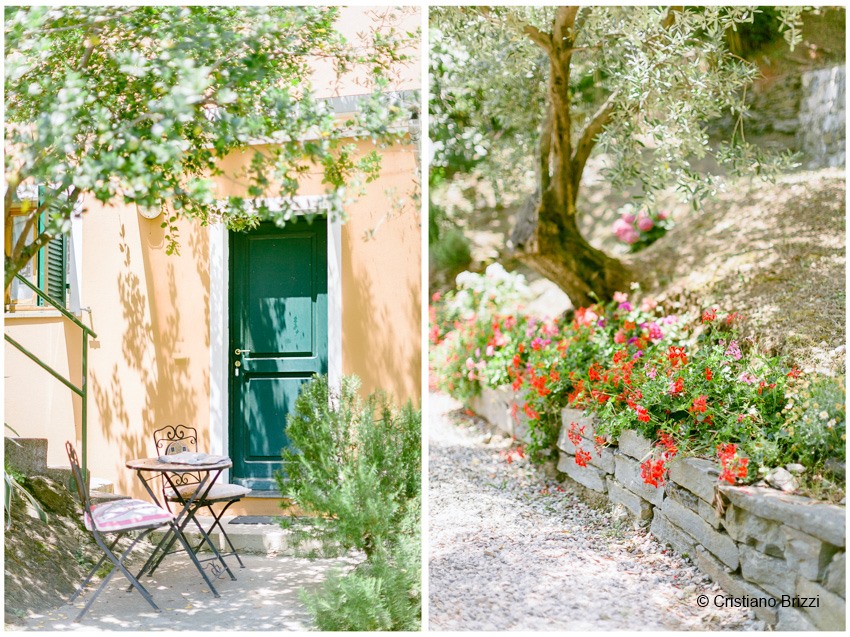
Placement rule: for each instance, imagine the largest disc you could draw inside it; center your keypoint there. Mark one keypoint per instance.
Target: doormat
(254, 519)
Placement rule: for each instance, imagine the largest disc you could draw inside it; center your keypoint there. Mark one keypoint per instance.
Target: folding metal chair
(176, 439)
(118, 517)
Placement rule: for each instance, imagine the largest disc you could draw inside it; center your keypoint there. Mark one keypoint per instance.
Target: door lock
(237, 365)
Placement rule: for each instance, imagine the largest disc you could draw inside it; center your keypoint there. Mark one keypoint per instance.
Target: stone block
(589, 476)
(698, 476)
(806, 554)
(604, 460)
(836, 575)
(634, 445)
(830, 612)
(627, 473)
(717, 543)
(821, 519)
(683, 497)
(668, 533)
(770, 573)
(766, 536)
(733, 584)
(708, 513)
(582, 419)
(639, 508)
(791, 619)
(494, 405)
(28, 456)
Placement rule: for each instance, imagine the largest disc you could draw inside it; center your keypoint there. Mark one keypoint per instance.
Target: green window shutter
(52, 263)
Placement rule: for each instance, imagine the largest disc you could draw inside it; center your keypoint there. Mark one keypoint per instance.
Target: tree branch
(670, 19)
(588, 138)
(543, 40)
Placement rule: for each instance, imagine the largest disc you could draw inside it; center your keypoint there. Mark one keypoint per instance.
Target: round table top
(155, 464)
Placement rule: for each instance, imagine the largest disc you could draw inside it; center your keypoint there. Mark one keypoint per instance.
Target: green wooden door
(279, 324)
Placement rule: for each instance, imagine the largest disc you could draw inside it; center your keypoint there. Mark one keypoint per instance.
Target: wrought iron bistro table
(147, 469)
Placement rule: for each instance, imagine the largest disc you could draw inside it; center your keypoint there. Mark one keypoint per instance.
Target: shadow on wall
(152, 349)
(381, 315)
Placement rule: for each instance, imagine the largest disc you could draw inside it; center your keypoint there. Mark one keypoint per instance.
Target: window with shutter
(53, 270)
(48, 270)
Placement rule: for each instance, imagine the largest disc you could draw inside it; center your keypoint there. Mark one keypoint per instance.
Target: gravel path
(513, 550)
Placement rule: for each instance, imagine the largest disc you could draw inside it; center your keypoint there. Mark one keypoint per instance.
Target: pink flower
(490, 350)
(621, 297)
(550, 329)
(747, 378)
(631, 236)
(733, 351)
(663, 215)
(648, 304)
(620, 227)
(620, 337)
(628, 217)
(470, 364)
(655, 332)
(645, 224)
(651, 372)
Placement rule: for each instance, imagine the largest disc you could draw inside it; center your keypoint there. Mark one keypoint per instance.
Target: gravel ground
(514, 550)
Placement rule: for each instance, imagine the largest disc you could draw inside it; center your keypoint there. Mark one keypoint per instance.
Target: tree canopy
(138, 105)
(519, 90)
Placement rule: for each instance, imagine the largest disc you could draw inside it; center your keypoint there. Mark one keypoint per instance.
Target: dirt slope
(774, 252)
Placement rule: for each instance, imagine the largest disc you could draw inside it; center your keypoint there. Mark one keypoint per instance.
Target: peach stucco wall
(150, 365)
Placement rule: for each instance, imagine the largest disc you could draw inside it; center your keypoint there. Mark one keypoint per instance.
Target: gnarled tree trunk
(548, 239)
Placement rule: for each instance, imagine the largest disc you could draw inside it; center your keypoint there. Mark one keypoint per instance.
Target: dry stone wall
(821, 130)
(757, 543)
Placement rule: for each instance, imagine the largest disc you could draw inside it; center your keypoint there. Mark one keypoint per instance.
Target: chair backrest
(79, 479)
(176, 439)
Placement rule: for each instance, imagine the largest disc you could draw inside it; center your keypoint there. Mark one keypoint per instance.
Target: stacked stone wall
(756, 543)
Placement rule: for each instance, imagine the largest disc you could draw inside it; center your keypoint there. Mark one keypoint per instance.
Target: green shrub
(383, 593)
(355, 465)
(453, 252)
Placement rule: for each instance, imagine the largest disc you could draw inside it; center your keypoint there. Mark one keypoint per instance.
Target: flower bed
(665, 415)
(692, 385)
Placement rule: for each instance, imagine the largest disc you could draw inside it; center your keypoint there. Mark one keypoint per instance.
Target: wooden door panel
(279, 314)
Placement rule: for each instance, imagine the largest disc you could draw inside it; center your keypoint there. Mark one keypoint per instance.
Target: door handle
(242, 351)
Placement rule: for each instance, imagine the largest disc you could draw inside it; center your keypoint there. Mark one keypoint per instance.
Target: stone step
(258, 539)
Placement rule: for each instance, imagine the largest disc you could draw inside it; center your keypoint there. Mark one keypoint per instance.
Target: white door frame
(220, 328)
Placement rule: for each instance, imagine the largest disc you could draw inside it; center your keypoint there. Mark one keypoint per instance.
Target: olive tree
(137, 105)
(542, 87)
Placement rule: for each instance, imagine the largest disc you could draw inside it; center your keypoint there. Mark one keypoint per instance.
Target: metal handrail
(81, 391)
(55, 304)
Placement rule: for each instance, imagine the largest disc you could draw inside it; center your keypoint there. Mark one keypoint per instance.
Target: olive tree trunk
(548, 239)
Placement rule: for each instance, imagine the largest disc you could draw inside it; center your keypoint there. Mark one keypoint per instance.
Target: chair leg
(217, 523)
(119, 563)
(194, 559)
(206, 540)
(94, 570)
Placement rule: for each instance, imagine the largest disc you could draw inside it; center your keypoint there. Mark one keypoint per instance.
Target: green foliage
(139, 104)
(449, 249)
(383, 593)
(663, 80)
(356, 465)
(14, 482)
(815, 420)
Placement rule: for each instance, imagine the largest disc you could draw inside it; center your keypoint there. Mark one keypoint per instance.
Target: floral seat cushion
(126, 515)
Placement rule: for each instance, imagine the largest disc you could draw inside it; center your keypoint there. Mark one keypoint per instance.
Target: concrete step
(258, 539)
